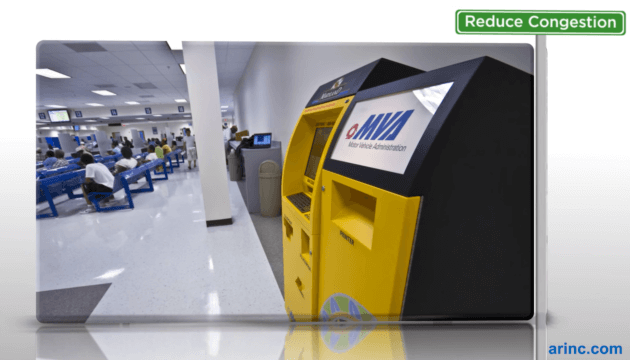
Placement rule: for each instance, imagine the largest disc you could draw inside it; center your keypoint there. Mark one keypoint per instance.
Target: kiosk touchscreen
(427, 204)
(301, 179)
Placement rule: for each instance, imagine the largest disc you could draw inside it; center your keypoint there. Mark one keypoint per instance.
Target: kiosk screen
(383, 133)
(319, 142)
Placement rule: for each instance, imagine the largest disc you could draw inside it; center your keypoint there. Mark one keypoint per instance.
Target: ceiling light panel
(51, 74)
(103, 92)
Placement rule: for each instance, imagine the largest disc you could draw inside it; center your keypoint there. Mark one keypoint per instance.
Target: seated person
(98, 178)
(50, 159)
(115, 148)
(61, 161)
(152, 155)
(174, 145)
(127, 162)
(40, 155)
(167, 149)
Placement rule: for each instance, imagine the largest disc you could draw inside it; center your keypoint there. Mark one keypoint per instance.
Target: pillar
(203, 90)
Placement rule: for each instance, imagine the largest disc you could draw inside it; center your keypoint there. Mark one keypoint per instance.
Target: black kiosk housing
(473, 250)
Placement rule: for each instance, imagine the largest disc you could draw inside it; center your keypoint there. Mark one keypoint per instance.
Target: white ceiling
(120, 65)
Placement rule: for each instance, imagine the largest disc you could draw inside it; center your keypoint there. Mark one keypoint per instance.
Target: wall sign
(78, 114)
(383, 133)
(180, 108)
(114, 112)
(154, 131)
(42, 116)
(147, 110)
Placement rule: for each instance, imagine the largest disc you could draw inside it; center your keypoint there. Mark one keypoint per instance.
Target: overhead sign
(42, 116)
(147, 110)
(180, 108)
(78, 114)
(114, 112)
(383, 133)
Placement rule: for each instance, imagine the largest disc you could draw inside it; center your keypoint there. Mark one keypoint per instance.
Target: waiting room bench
(175, 153)
(123, 180)
(52, 187)
(53, 172)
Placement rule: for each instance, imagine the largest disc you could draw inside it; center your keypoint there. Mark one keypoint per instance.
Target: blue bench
(54, 172)
(175, 153)
(108, 158)
(52, 187)
(74, 160)
(123, 180)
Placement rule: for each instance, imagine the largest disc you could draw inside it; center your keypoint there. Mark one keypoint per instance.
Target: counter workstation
(251, 160)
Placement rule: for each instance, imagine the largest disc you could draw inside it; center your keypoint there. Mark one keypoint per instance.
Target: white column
(203, 89)
(104, 143)
(137, 141)
(67, 143)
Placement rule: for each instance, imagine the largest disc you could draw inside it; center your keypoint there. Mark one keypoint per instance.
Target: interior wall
(174, 126)
(280, 78)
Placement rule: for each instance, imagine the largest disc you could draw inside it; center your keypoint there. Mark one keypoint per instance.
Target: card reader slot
(353, 212)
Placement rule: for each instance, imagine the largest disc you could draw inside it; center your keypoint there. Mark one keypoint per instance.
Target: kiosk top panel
(394, 135)
(376, 73)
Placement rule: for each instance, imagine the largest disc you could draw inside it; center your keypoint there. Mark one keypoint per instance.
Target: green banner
(530, 22)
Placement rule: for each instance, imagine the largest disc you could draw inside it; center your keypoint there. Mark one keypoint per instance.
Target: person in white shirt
(152, 155)
(98, 179)
(190, 148)
(127, 162)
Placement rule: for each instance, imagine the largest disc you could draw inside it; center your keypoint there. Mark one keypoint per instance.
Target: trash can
(234, 165)
(269, 177)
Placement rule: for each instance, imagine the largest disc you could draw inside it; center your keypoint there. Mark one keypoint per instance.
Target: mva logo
(381, 127)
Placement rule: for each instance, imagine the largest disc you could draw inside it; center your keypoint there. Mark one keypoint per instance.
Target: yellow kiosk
(427, 200)
(301, 180)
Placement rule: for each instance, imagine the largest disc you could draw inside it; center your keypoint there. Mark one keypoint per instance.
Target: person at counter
(128, 143)
(116, 147)
(61, 161)
(50, 159)
(40, 155)
(190, 149)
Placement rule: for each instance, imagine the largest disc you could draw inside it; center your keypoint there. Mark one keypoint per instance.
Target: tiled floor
(162, 261)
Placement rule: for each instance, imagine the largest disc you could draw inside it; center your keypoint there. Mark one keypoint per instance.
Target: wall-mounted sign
(147, 110)
(114, 112)
(42, 116)
(78, 114)
(154, 128)
(180, 108)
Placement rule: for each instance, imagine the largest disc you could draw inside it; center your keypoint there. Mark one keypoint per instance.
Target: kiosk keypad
(301, 201)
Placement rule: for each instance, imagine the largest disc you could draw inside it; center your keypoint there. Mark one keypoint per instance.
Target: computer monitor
(319, 142)
(262, 140)
(59, 116)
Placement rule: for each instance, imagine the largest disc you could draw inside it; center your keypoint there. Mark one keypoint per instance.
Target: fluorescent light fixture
(186, 115)
(90, 120)
(175, 45)
(103, 92)
(224, 107)
(105, 118)
(157, 115)
(94, 104)
(180, 100)
(140, 118)
(55, 106)
(51, 74)
(223, 111)
(132, 102)
(183, 66)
